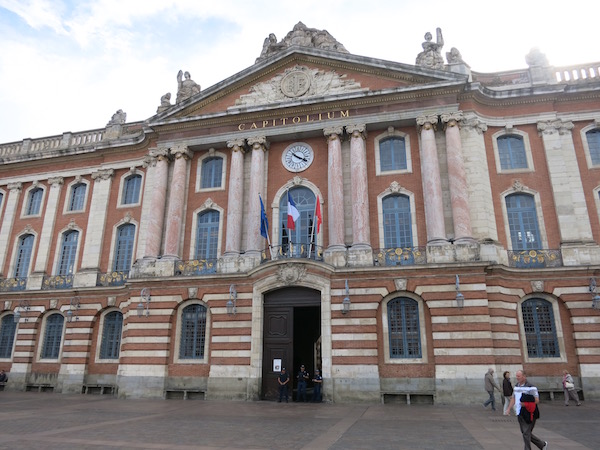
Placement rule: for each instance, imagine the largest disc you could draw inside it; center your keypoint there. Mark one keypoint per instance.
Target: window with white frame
(211, 174)
(207, 235)
(511, 152)
(23, 256)
(403, 328)
(131, 189)
(52, 340)
(592, 138)
(124, 248)
(34, 202)
(77, 199)
(392, 153)
(111, 335)
(68, 252)
(540, 328)
(8, 329)
(523, 222)
(397, 222)
(193, 332)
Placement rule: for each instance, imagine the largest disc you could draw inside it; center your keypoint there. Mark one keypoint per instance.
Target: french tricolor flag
(292, 213)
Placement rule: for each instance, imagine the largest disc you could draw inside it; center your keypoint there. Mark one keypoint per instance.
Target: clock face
(297, 157)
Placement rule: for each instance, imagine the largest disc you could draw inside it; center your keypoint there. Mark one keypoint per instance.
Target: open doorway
(291, 336)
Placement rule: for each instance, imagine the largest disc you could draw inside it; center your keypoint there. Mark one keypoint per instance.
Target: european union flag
(264, 223)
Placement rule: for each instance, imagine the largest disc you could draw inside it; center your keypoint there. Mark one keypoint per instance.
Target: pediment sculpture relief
(298, 82)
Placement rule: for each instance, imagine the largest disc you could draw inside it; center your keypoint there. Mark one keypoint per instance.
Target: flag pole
(312, 232)
(291, 244)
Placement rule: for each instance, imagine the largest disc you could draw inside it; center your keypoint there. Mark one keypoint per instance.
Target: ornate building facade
(399, 227)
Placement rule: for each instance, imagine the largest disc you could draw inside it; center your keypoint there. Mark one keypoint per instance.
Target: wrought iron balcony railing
(195, 267)
(400, 256)
(534, 258)
(299, 250)
(112, 278)
(13, 284)
(57, 282)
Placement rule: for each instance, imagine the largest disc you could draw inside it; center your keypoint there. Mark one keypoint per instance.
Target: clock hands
(299, 156)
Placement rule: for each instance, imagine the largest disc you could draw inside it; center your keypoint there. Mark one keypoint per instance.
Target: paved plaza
(54, 421)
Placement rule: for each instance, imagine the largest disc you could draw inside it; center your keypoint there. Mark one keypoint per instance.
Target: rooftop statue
(431, 56)
(117, 118)
(165, 103)
(535, 58)
(302, 36)
(185, 88)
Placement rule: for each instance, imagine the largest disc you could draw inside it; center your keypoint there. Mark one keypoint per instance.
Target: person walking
(490, 385)
(525, 399)
(507, 390)
(569, 388)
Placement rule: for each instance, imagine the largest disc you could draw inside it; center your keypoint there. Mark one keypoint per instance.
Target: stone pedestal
(34, 281)
(150, 267)
(85, 278)
(336, 256)
(360, 255)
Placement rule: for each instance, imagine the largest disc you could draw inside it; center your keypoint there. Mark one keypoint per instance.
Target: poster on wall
(277, 365)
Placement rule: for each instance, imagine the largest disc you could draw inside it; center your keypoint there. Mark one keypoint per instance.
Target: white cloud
(69, 68)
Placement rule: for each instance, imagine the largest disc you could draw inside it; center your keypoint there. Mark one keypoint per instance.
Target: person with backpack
(525, 399)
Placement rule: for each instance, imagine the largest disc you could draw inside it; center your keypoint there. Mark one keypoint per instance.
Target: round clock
(297, 157)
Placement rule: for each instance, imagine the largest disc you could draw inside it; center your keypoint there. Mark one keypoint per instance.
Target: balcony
(291, 251)
(13, 284)
(195, 267)
(400, 256)
(57, 282)
(534, 258)
(112, 279)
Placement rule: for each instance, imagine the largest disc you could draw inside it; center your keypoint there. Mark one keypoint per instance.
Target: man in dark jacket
(490, 385)
(525, 399)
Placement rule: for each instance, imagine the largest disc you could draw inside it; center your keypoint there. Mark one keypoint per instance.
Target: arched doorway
(291, 336)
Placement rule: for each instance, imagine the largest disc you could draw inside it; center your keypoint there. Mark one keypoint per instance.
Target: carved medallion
(291, 273)
(295, 84)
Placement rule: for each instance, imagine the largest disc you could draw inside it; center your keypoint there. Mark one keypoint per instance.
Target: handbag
(569, 385)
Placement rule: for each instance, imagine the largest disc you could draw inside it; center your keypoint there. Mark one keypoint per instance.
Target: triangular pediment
(305, 75)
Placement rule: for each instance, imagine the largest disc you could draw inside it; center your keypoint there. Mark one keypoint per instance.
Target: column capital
(451, 119)
(104, 174)
(554, 126)
(427, 122)
(236, 145)
(15, 187)
(332, 133)
(56, 181)
(357, 130)
(181, 151)
(258, 143)
(156, 154)
(474, 124)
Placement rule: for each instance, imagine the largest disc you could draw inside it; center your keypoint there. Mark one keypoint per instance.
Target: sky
(69, 65)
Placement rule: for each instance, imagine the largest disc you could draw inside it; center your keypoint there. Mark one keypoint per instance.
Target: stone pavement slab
(56, 421)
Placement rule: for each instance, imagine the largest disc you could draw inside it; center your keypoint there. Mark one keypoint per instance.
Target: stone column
(235, 199)
(335, 254)
(155, 200)
(10, 211)
(181, 155)
(577, 242)
(432, 185)
(459, 196)
(94, 233)
(36, 279)
(254, 242)
(361, 252)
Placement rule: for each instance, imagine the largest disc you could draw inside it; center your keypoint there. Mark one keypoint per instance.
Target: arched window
(68, 250)
(593, 141)
(124, 248)
(193, 332)
(511, 151)
(131, 190)
(24, 249)
(207, 237)
(8, 329)
(397, 222)
(403, 328)
(34, 202)
(540, 329)
(522, 222)
(212, 172)
(392, 154)
(52, 337)
(1, 199)
(111, 335)
(77, 197)
(302, 233)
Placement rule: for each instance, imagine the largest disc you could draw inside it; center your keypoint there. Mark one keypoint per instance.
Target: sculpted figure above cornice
(301, 36)
(298, 82)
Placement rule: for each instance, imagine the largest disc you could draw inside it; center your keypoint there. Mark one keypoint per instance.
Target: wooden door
(278, 345)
